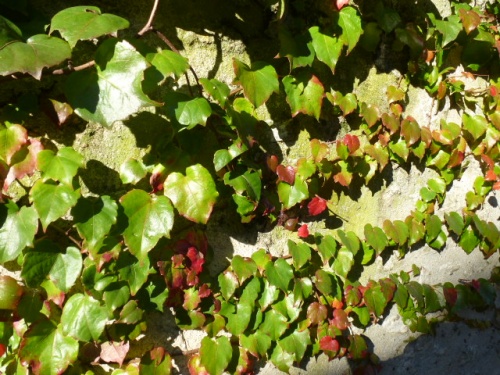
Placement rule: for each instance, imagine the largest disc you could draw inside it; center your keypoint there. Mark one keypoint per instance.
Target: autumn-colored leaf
(303, 231)
(286, 174)
(316, 206)
(114, 351)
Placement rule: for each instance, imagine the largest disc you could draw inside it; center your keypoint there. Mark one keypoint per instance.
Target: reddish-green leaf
(357, 347)
(18, 230)
(375, 300)
(470, 19)
(327, 48)
(83, 318)
(24, 162)
(410, 130)
(150, 218)
(194, 194)
(316, 313)
(391, 122)
(259, 81)
(46, 349)
(378, 153)
(114, 351)
(84, 23)
(12, 138)
(304, 93)
(215, 354)
(397, 230)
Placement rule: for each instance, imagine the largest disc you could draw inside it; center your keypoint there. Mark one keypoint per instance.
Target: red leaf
(341, 3)
(197, 259)
(316, 206)
(496, 185)
(329, 343)
(286, 174)
(272, 162)
(450, 295)
(114, 351)
(488, 160)
(490, 175)
(303, 231)
(204, 291)
(3, 349)
(352, 143)
(340, 319)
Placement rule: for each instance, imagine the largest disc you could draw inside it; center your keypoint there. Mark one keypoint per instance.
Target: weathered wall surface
(210, 38)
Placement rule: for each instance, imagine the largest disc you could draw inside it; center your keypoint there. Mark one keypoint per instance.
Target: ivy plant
(90, 267)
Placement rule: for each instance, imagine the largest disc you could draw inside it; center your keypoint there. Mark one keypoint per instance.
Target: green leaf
(238, 322)
(258, 81)
(376, 238)
(350, 241)
(193, 112)
(94, 219)
(249, 182)
(38, 52)
(156, 362)
(193, 195)
(433, 226)
(455, 222)
(52, 201)
(84, 23)
(274, 325)
(83, 318)
(216, 89)
(12, 138)
(279, 274)
(244, 268)
(475, 125)
(62, 166)
(327, 48)
(228, 282)
(327, 247)
(215, 354)
(224, 157)
(132, 171)
(302, 289)
(150, 218)
(66, 269)
(18, 230)
(375, 300)
(410, 130)
(301, 254)
(296, 344)
(343, 262)
(113, 90)
(168, 63)
(290, 195)
(397, 230)
(116, 295)
(47, 349)
(357, 347)
(304, 93)
(270, 294)
(282, 359)
(450, 28)
(135, 272)
(350, 22)
(257, 343)
(325, 283)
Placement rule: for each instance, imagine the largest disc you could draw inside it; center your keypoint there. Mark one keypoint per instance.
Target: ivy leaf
(279, 274)
(350, 241)
(132, 171)
(249, 182)
(168, 62)
(112, 91)
(150, 218)
(327, 247)
(47, 349)
(61, 166)
(257, 343)
(327, 48)
(215, 354)
(350, 22)
(38, 52)
(216, 89)
(470, 19)
(94, 219)
(375, 300)
(291, 195)
(296, 343)
(12, 138)
(282, 359)
(83, 318)
(114, 351)
(274, 325)
(410, 130)
(18, 230)
(193, 112)
(133, 271)
(238, 322)
(450, 28)
(258, 81)
(66, 269)
(455, 222)
(244, 268)
(317, 313)
(24, 162)
(156, 362)
(343, 262)
(304, 93)
(301, 253)
(193, 195)
(376, 238)
(52, 201)
(475, 125)
(84, 23)
(224, 157)
(397, 230)
(316, 206)
(357, 347)
(228, 283)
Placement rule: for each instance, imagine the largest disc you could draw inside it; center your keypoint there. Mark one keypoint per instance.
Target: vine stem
(71, 68)
(148, 26)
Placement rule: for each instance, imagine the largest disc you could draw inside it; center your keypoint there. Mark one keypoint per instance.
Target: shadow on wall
(455, 349)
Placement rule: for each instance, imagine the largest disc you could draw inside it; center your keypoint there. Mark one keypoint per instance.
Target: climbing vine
(89, 267)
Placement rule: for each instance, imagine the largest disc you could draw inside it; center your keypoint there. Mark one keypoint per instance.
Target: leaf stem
(148, 26)
(71, 68)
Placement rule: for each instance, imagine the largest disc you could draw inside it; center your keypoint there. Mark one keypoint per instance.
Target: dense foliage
(92, 265)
